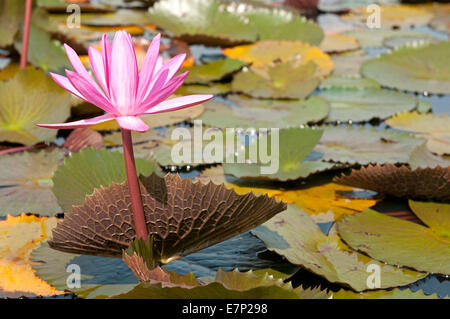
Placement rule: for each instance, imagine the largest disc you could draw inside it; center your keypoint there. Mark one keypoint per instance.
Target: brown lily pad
(420, 183)
(82, 138)
(182, 217)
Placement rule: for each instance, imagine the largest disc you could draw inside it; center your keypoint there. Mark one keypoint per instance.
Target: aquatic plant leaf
(213, 71)
(212, 88)
(286, 80)
(216, 22)
(366, 104)
(337, 42)
(422, 157)
(433, 127)
(348, 82)
(383, 294)
(264, 53)
(294, 235)
(400, 242)
(31, 97)
(364, 146)
(420, 69)
(89, 169)
(349, 64)
(400, 181)
(264, 113)
(11, 16)
(81, 138)
(182, 216)
(227, 285)
(25, 183)
(290, 164)
(402, 16)
(18, 237)
(375, 38)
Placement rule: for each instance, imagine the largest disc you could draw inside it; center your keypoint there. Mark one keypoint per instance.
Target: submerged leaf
(26, 181)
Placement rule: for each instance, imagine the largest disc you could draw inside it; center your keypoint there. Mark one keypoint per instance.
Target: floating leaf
(218, 22)
(18, 237)
(349, 64)
(289, 164)
(286, 80)
(346, 82)
(396, 41)
(214, 71)
(364, 146)
(159, 119)
(338, 42)
(400, 242)
(81, 138)
(419, 69)
(324, 202)
(264, 53)
(374, 38)
(183, 217)
(366, 104)
(421, 183)
(25, 186)
(422, 157)
(11, 16)
(31, 97)
(383, 294)
(227, 285)
(294, 235)
(212, 88)
(90, 169)
(392, 16)
(434, 128)
(259, 113)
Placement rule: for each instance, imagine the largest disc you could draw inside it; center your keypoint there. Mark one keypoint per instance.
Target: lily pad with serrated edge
(294, 145)
(348, 82)
(294, 235)
(420, 183)
(264, 53)
(90, 169)
(374, 38)
(264, 113)
(31, 97)
(204, 215)
(285, 80)
(400, 242)
(422, 157)
(364, 146)
(420, 69)
(433, 127)
(366, 104)
(213, 71)
(218, 22)
(383, 294)
(26, 181)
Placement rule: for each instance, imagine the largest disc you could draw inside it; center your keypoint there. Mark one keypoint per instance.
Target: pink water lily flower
(120, 89)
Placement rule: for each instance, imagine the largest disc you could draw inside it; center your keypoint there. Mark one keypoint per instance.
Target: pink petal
(65, 84)
(132, 123)
(163, 94)
(124, 73)
(79, 67)
(91, 94)
(96, 60)
(106, 46)
(179, 103)
(81, 123)
(148, 68)
(174, 65)
(156, 87)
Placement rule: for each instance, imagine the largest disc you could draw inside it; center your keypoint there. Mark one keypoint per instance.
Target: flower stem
(133, 186)
(26, 34)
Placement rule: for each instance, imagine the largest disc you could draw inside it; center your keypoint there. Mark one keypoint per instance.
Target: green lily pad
(286, 80)
(26, 181)
(212, 88)
(346, 82)
(366, 104)
(28, 98)
(44, 52)
(90, 169)
(422, 157)
(374, 38)
(364, 146)
(294, 235)
(400, 242)
(227, 285)
(11, 16)
(419, 69)
(383, 294)
(349, 64)
(214, 71)
(224, 23)
(290, 165)
(262, 113)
